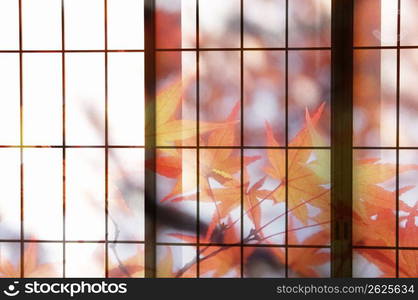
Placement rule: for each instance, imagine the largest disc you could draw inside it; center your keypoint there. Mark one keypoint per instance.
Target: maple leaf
(32, 267)
(385, 260)
(306, 178)
(308, 181)
(222, 260)
(368, 174)
(228, 199)
(304, 260)
(374, 206)
(251, 202)
(377, 230)
(222, 164)
(375, 222)
(170, 129)
(169, 165)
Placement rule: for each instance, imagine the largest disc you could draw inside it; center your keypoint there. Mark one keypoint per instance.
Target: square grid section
(72, 138)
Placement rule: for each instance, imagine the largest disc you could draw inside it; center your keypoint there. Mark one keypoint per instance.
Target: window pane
(374, 192)
(309, 199)
(125, 19)
(220, 194)
(10, 255)
(9, 24)
(409, 96)
(263, 262)
(374, 97)
(264, 196)
(374, 263)
(264, 23)
(41, 24)
(176, 99)
(43, 260)
(172, 261)
(85, 101)
(264, 86)
(309, 89)
(409, 23)
(309, 262)
(176, 194)
(126, 98)
(43, 203)
(85, 180)
(126, 260)
(84, 260)
(10, 189)
(219, 23)
(309, 23)
(126, 194)
(375, 22)
(408, 263)
(10, 99)
(84, 24)
(42, 94)
(220, 93)
(408, 164)
(176, 23)
(222, 262)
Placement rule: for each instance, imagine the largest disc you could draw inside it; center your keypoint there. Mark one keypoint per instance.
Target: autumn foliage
(302, 187)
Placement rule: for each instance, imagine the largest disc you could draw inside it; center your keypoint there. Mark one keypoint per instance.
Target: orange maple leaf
(222, 164)
(307, 178)
(170, 128)
(374, 206)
